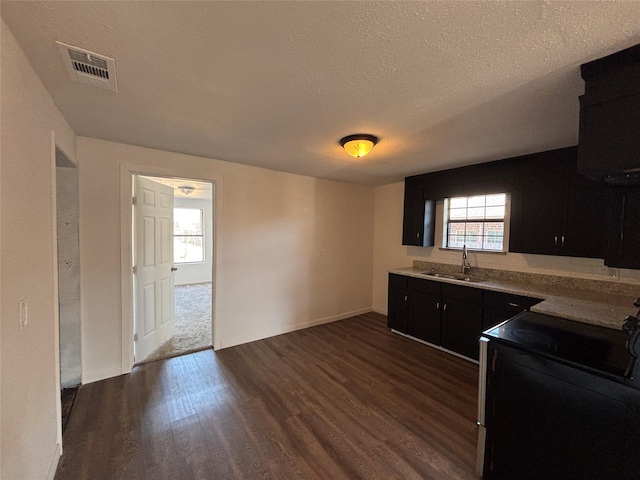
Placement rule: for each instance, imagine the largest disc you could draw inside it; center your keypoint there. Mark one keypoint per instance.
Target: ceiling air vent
(88, 67)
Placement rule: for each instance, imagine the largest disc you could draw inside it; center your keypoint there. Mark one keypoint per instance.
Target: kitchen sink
(454, 276)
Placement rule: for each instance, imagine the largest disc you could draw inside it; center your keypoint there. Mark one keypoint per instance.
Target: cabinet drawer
(469, 294)
(399, 281)
(506, 301)
(422, 285)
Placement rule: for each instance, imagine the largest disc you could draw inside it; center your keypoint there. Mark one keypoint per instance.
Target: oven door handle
(482, 399)
(482, 380)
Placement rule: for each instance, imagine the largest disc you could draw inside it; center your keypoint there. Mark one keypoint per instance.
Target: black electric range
(557, 399)
(598, 350)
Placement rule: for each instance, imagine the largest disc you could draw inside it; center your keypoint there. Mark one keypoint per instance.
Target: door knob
(174, 269)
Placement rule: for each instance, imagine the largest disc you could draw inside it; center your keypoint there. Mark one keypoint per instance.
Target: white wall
(189, 273)
(29, 399)
(389, 253)
(291, 251)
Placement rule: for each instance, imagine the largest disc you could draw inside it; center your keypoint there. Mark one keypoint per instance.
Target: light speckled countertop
(599, 303)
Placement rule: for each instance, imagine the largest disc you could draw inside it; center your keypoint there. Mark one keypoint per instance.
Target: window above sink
(478, 221)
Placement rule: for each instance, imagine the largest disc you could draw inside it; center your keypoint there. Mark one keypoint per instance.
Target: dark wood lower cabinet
(448, 315)
(414, 307)
(398, 311)
(461, 326)
(498, 307)
(425, 317)
(461, 319)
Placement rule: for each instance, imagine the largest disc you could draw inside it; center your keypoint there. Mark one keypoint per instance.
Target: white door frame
(127, 172)
(56, 295)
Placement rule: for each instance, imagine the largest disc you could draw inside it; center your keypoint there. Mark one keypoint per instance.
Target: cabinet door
(418, 225)
(498, 307)
(413, 221)
(623, 246)
(584, 234)
(398, 314)
(609, 140)
(424, 318)
(461, 326)
(536, 214)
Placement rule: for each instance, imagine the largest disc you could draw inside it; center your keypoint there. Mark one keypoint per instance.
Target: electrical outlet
(24, 317)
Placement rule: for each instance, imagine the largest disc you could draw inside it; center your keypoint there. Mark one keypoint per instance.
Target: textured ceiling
(277, 84)
(203, 190)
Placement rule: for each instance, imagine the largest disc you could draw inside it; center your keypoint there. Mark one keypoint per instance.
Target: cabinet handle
(438, 306)
(418, 235)
(444, 307)
(511, 304)
(405, 297)
(562, 241)
(555, 240)
(624, 205)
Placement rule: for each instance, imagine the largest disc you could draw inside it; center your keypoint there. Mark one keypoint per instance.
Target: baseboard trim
(232, 342)
(380, 311)
(90, 377)
(54, 462)
(437, 347)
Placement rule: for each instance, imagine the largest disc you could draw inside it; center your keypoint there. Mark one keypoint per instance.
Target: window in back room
(477, 221)
(188, 235)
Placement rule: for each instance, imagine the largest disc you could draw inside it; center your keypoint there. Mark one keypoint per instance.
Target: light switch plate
(24, 317)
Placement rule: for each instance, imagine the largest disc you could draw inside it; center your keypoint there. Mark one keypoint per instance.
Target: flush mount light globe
(186, 189)
(358, 145)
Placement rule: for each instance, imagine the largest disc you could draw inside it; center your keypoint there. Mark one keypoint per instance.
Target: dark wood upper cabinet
(609, 139)
(585, 220)
(536, 214)
(623, 243)
(556, 211)
(609, 145)
(418, 227)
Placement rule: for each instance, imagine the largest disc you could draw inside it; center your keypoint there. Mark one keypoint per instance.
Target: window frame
(201, 236)
(505, 220)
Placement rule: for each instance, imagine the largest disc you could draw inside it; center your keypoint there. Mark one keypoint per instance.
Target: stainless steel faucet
(465, 260)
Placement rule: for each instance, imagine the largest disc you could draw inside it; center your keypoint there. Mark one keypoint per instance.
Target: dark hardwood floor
(344, 400)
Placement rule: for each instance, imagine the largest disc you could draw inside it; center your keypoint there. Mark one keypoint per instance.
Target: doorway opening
(182, 239)
(68, 251)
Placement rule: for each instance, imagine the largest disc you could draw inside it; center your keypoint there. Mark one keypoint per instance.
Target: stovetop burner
(532, 337)
(598, 349)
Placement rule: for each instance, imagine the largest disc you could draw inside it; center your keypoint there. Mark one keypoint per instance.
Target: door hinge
(134, 270)
(135, 337)
(134, 200)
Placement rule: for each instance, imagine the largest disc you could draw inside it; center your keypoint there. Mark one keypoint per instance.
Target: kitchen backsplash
(600, 286)
(585, 268)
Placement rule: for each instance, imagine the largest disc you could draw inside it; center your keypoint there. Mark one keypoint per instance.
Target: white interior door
(153, 283)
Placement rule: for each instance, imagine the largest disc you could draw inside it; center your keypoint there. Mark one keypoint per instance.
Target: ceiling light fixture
(186, 189)
(358, 145)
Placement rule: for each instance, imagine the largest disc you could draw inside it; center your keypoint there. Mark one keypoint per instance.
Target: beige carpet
(193, 323)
